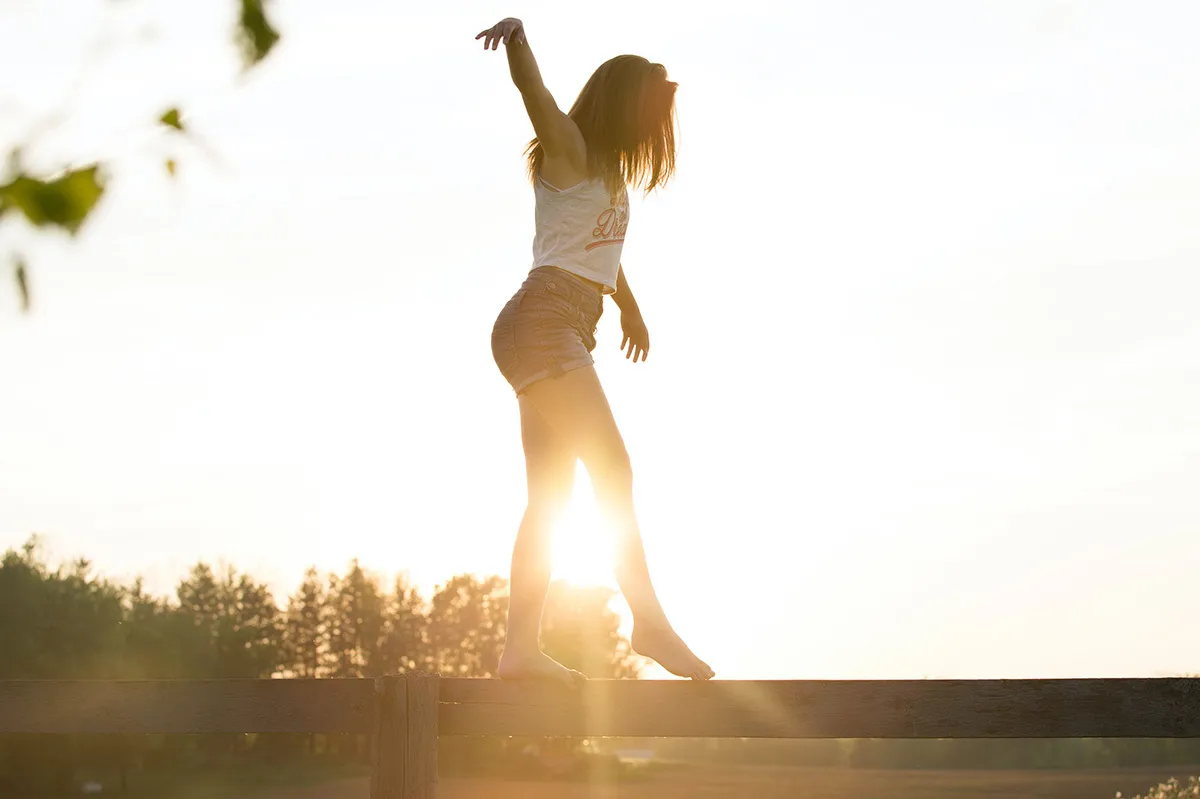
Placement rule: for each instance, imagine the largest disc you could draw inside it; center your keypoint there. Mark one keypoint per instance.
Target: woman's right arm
(557, 134)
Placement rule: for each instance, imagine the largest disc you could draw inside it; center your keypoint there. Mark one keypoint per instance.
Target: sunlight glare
(583, 542)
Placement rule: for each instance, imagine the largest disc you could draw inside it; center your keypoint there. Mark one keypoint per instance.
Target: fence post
(421, 736)
(388, 742)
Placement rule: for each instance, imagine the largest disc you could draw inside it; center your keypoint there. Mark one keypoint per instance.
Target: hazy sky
(925, 371)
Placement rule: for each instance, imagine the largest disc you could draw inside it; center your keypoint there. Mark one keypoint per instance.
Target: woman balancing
(619, 131)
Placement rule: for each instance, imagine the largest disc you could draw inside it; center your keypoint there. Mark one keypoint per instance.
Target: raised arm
(557, 134)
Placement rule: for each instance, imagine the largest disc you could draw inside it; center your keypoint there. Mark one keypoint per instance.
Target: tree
(405, 645)
(63, 200)
(467, 623)
(581, 631)
(250, 644)
(152, 639)
(304, 639)
(199, 609)
(60, 624)
(232, 627)
(354, 621)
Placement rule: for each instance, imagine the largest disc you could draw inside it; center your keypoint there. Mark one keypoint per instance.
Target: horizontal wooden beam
(1119, 708)
(1081, 708)
(186, 706)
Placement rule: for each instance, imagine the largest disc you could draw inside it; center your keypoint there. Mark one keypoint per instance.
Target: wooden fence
(405, 714)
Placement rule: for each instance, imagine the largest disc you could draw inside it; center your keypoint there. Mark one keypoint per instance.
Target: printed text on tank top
(612, 222)
(581, 229)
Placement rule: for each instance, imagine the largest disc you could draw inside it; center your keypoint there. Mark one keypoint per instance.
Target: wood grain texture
(1081, 708)
(421, 769)
(186, 706)
(388, 743)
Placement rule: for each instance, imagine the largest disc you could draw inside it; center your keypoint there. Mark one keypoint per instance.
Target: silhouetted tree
(57, 624)
(235, 625)
(304, 640)
(354, 624)
(467, 622)
(580, 630)
(405, 645)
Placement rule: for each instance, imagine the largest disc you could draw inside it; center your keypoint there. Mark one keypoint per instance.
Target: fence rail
(405, 714)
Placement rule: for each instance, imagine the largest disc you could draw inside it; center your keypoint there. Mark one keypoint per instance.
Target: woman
(619, 131)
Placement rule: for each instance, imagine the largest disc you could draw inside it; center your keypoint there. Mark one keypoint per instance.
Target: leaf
(171, 167)
(171, 119)
(64, 202)
(22, 283)
(255, 34)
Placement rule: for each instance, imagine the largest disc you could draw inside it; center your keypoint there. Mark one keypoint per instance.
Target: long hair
(626, 113)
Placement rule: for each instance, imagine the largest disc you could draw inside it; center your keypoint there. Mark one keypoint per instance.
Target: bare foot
(536, 665)
(664, 646)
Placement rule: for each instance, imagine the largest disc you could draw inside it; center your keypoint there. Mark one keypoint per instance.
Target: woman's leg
(576, 409)
(550, 473)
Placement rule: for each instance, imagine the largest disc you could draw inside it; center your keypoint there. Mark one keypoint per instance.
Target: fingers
(490, 38)
(635, 349)
(506, 31)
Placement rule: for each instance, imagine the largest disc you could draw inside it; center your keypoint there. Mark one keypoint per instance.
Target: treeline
(67, 622)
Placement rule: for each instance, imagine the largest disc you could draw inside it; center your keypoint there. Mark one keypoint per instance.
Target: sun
(583, 542)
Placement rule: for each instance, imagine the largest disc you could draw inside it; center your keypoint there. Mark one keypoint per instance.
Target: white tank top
(580, 230)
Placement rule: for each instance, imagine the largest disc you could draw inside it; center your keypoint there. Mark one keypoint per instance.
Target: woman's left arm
(635, 340)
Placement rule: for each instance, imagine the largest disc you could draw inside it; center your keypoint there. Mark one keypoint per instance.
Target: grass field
(728, 782)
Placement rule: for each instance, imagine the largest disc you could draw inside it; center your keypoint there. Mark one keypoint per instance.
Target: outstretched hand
(506, 30)
(636, 339)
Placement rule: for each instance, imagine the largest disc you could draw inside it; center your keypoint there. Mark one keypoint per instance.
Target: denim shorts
(547, 328)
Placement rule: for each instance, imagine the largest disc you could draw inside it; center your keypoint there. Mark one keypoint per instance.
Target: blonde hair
(626, 113)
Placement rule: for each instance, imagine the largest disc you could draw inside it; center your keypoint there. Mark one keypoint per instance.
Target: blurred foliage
(65, 199)
(22, 282)
(171, 119)
(1172, 789)
(255, 34)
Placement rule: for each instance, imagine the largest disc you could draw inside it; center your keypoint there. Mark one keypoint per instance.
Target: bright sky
(926, 359)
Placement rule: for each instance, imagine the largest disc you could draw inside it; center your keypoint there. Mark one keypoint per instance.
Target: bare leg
(577, 410)
(550, 472)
